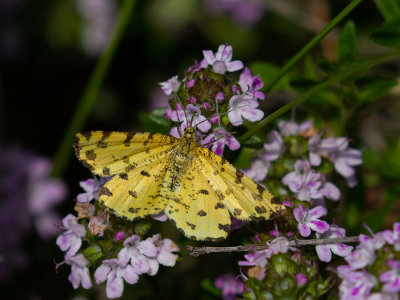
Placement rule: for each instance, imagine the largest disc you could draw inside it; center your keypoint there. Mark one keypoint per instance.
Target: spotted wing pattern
(110, 153)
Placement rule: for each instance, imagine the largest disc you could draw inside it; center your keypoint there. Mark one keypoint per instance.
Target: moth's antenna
(184, 112)
(225, 135)
(221, 114)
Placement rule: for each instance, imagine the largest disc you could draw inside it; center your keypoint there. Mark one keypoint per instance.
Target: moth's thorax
(181, 159)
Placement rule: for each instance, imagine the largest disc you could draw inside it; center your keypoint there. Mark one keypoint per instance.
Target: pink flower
(391, 279)
(217, 140)
(251, 85)
(309, 219)
(325, 251)
(288, 128)
(70, 240)
(79, 271)
(259, 168)
(337, 151)
(307, 184)
(301, 279)
(393, 237)
(114, 271)
(141, 254)
(275, 148)
(92, 188)
(167, 247)
(170, 86)
(229, 285)
(356, 285)
(194, 118)
(242, 106)
(221, 61)
(361, 257)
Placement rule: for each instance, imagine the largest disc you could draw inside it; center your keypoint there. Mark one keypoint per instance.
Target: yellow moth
(197, 189)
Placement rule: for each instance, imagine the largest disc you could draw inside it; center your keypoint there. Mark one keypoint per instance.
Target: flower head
(309, 220)
(79, 271)
(115, 272)
(217, 140)
(242, 106)
(325, 251)
(221, 61)
(307, 184)
(336, 150)
(391, 278)
(71, 239)
(170, 86)
(229, 285)
(251, 85)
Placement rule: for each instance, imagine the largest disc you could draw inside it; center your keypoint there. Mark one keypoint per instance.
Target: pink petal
(115, 286)
(317, 212)
(318, 226)
(324, 253)
(129, 275)
(209, 56)
(235, 65)
(304, 230)
(100, 275)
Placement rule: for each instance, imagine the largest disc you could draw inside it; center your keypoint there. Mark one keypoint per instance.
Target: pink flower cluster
(260, 258)
(359, 281)
(204, 113)
(136, 258)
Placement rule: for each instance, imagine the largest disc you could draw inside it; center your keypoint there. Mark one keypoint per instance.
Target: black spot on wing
(133, 194)
(123, 176)
(239, 175)
(129, 136)
(237, 212)
(106, 171)
(87, 135)
(205, 192)
(260, 209)
(105, 191)
(219, 205)
(224, 227)
(201, 213)
(144, 173)
(90, 155)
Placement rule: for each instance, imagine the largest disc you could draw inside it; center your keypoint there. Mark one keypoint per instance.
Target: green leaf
(390, 9)
(310, 70)
(375, 88)
(347, 44)
(92, 253)
(267, 72)
(388, 34)
(158, 117)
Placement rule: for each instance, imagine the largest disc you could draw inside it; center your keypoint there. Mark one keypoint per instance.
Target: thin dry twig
(197, 251)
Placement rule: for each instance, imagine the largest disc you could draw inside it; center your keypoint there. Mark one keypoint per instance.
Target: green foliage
(347, 44)
(374, 88)
(388, 34)
(390, 9)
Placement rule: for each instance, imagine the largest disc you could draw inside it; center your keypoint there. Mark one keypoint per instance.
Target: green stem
(295, 59)
(92, 90)
(357, 67)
